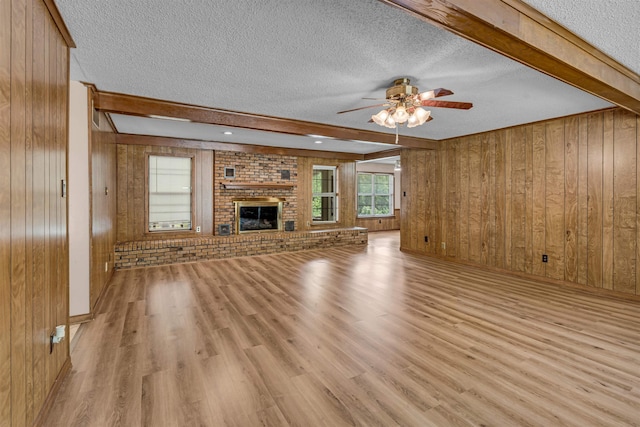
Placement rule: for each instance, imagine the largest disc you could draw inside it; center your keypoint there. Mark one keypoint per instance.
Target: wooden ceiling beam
(516, 30)
(162, 141)
(138, 106)
(383, 154)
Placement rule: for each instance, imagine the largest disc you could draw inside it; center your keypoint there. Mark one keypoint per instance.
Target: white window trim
(391, 195)
(334, 194)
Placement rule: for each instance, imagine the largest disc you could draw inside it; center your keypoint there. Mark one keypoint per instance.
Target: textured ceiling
(302, 59)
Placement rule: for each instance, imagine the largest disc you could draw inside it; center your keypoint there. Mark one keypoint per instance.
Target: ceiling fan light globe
(422, 115)
(400, 115)
(413, 121)
(389, 122)
(380, 118)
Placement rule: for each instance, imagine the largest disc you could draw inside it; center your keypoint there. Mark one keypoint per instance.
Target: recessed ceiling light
(318, 142)
(228, 133)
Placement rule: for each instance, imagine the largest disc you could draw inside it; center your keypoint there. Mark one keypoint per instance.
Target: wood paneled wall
(566, 188)
(346, 192)
(34, 258)
(103, 207)
(131, 181)
(380, 224)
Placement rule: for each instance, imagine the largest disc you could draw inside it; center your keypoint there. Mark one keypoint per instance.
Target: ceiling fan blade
(361, 108)
(447, 104)
(376, 99)
(441, 92)
(435, 93)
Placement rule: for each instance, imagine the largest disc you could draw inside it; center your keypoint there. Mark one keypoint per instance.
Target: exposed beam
(383, 154)
(139, 106)
(161, 141)
(518, 31)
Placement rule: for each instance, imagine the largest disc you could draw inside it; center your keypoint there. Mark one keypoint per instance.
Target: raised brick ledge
(171, 251)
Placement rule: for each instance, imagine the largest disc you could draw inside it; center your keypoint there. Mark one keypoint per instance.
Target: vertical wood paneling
(637, 205)
(571, 199)
(439, 184)
(29, 196)
(545, 188)
(624, 203)
(33, 217)
(104, 218)
(405, 201)
(5, 206)
(40, 321)
(607, 201)
(582, 258)
(554, 195)
(485, 198)
(18, 214)
(507, 195)
(452, 199)
(347, 203)
(528, 193)
(421, 205)
(594, 200)
(206, 197)
(492, 198)
(500, 204)
(518, 201)
(463, 246)
(475, 199)
(539, 191)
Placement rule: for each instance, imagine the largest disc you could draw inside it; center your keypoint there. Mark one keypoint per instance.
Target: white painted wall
(78, 194)
(384, 168)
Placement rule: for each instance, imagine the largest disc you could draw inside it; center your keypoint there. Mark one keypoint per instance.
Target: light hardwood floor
(351, 336)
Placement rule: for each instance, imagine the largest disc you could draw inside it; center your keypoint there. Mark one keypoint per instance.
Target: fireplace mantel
(254, 185)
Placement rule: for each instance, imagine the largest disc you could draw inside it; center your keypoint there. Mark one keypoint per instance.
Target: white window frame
(149, 192)
(373, 194)
(333, 194)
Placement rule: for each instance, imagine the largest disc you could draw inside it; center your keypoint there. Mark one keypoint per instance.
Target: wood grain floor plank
(351, 336)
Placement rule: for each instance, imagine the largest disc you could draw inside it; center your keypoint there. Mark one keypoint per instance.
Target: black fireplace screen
(258, 218)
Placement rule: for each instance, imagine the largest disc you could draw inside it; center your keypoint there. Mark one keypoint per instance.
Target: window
(324, 202)
(375, 194)
(170, 181)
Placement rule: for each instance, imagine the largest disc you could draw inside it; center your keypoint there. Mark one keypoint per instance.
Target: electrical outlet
(545, 258)
(197, 229)
(426, 239)
(443, 245)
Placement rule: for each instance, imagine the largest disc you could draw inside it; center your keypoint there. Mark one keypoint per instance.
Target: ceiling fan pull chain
(396, 134)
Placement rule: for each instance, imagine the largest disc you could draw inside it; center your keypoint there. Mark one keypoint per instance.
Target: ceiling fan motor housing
(401, 89)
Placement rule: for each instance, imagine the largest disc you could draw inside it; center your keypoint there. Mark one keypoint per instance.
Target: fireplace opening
(258, 215)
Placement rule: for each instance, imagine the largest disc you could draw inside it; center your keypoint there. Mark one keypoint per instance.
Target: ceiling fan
(404, 104)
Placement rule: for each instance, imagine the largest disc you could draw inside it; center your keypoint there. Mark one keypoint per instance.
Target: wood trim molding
(517, 31)
(129, 139)
(80, 318)
(139, 106)
(57, 18)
